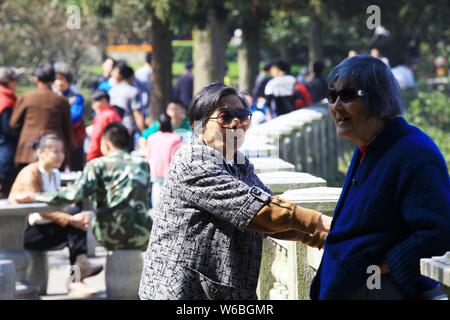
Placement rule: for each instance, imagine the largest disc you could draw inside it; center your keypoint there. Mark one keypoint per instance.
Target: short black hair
(148, 57)
(118, 135)
(318, 67)
(45, 73)
(125, 71)
(165, 124)
(100, 95)
(206, 101)
(63, 69)
(177, 101)
(282, 65)
(364, 72)
(267, 67)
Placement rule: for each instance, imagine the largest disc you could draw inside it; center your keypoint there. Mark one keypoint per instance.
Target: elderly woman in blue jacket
(395, 204)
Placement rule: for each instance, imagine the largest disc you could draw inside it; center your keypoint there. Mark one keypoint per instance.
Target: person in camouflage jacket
(117, 185)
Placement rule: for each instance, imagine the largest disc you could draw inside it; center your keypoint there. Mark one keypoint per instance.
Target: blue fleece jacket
(394, 208)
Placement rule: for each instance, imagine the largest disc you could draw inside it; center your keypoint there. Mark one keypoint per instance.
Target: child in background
(104, 115)
(161, 147)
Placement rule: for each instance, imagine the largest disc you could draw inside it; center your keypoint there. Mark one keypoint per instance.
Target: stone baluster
(323, 199)
(438, 268)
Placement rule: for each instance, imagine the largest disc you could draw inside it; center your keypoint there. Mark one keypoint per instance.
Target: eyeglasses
(226, 117)
(346, 94)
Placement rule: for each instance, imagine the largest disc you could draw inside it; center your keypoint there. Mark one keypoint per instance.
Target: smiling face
(225, 140)
(351, 120)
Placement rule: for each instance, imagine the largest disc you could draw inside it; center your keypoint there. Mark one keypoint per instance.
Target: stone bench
(123, 274)
(7, 280)
(13, 221)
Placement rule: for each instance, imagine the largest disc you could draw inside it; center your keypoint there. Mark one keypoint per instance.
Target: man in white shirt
(280, 89)
(404, 75)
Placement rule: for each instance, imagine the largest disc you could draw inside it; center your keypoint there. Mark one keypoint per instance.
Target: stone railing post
(323, 199)
(438, 268)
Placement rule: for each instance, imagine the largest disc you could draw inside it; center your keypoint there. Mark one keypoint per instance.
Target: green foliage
(182, 51)
(431, 113)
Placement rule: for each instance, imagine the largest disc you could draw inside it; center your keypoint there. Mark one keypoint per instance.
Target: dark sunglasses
(346, 94)
(226, 117)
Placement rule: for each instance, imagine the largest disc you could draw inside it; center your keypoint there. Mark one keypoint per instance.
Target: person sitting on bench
(56, 229)
(117, 185)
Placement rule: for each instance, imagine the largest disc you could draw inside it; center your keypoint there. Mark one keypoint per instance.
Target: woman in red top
(104, 115)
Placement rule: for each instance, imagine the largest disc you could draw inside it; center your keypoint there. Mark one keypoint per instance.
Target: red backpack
(301, 96)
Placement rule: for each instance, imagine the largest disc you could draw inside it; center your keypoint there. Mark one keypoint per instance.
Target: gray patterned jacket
(199, 247)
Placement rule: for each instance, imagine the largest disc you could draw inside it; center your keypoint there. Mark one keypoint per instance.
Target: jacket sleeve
(67, 129)
(18, 114)
(207, 186)
(94, 144)
(317, 240)
(5, 128)
(425, 206)
(84, 187)
(77, 109)
(279, 215)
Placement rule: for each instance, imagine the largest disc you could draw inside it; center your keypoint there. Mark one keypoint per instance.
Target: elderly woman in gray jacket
(213, 212)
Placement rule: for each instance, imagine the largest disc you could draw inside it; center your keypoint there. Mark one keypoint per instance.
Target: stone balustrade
(13, 221)
(282, 181)
(262, 165)
(298, 170)
(288, 267)
(438, 268)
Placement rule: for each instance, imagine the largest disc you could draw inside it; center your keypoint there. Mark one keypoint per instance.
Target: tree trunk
(249, 54)
(161, 65)
(315, 52)
(209, 46)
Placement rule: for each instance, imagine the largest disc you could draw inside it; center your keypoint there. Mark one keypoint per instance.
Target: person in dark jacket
(8, 136)
(395, 204)
(185, 85)
(317, 86)
(63, 86)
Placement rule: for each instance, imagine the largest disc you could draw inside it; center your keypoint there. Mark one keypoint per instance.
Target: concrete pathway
(59, 267)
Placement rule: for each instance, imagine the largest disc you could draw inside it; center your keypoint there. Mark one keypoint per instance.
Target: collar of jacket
(118, 154)
(394, 130)
(205, 149)
(240, 160)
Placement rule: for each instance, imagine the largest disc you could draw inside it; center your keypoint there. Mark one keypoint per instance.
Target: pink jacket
(161, 147)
